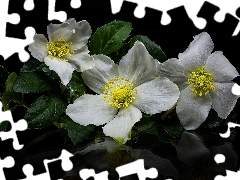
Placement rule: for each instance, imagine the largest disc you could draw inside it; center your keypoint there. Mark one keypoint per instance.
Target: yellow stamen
(119, 92)
(60, 49)
(202, 81)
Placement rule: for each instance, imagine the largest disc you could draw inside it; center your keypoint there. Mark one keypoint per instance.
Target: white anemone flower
(123, 90)
(66, 49)
(204, 79)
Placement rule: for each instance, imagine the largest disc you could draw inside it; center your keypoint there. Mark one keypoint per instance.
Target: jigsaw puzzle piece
(137, 167)
(21, 125)
(208, 12)
(7, 162)
(9, 46)
(66, 165)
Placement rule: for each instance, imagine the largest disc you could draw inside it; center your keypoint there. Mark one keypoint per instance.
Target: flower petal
(192, 110)
(197, 52)
(62, 68)
(38, 48)
(223, 100)
(81, 61)
(191, 150)
(101, 73)
(80, 36)
(56, 31)
(220, 67)
(156, 96)
(91, 109)
(137, 64)
(174, 71)
(121, 125)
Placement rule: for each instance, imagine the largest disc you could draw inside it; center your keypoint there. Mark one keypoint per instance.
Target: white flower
(204, 80)
(66, 50)
(123, 90)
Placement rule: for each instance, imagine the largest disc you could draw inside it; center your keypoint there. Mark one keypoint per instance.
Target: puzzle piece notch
(230, 125)
(137, 167)
(192, 8)
(7, 162)
(87, 173)
(29, 5)
(236, 89)
(21, 125)
(75, 4)
(66, 164)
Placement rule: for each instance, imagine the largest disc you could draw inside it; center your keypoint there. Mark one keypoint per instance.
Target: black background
(173, 39)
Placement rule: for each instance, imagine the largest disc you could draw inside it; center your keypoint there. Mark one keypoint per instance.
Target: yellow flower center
(202, 81)
(119, 92)
(60, 49)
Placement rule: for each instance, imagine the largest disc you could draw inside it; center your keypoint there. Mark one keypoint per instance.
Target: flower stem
(165, 115)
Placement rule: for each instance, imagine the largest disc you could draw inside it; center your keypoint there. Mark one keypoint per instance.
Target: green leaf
(30, 66)
(172, 128)
(213, 121)
(10, 81)
(153, 49)
(76, 83)
(3, 76)
(75, 88)
(76, 132)
(143, 126)
(9, 97)
(110, 37)
(50, 73)
(3, 126)
(33, 82)
(44, 111)
(163, 136)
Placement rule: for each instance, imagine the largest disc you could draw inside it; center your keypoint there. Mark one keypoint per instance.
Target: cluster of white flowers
(197, 81)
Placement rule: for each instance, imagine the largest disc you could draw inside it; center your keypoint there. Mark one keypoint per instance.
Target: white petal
(156, 96)
(191, 150)
(56, 31)
(62, 68)
(223, 100)
(103, 71)
(192, 110)
(81, 61)
(197, 52)
(72, 22)
(137, 64)
(121, 125)
(38, 48)
(173, 70)
(81, 35)
(91, 109)
(220, 67)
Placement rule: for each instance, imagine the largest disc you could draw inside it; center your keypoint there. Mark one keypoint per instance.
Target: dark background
(173, 39)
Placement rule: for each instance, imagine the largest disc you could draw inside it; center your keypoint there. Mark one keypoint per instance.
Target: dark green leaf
(76, 132)
(9, 97)
(50, 73)
(213, 121)
(76, 83)
(33, 82)
(110, 37)
(163, 136)
(10, 81)
(75, 87)
(153, 49)
(143, 126)
(3, 125)
(3, 76)
(172, 128)
(44, 111)
(31, 66)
